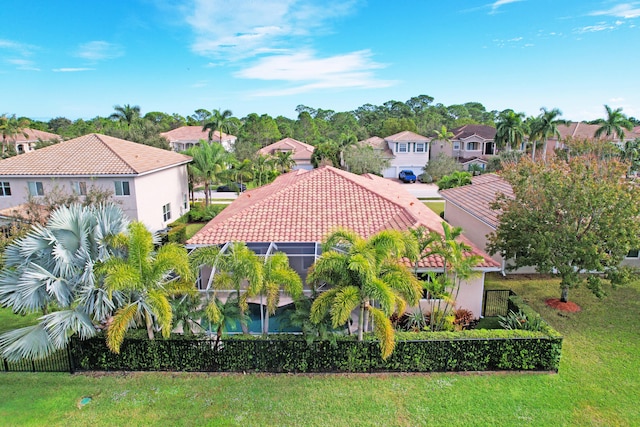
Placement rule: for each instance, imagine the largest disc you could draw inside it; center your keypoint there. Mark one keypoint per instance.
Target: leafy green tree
(362, 271)
(567, 218)
(264, 169)
(125, 114)
(393, 125)
(364, 159)
(614, 124)
(199, 117)
(456, 179)
(259, 130)
(326, 152)
(305, 129)
(145, 278)
(10, 128)
(210, 162)
(630, 153)
(52, 270)
(510, 130)
(419, 103)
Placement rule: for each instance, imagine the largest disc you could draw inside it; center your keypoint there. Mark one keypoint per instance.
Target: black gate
(60, 361)
(496, 302)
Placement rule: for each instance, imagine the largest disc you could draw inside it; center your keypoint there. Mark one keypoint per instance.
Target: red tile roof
(378, 144)
(476, 199)
(34, 135)
(193, 133)
(483, 131)
(305, 206)
(407, 136)
(579, 130)
(301, 151)
(94, 155)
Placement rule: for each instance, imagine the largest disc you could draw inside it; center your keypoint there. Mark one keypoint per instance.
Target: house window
(79, 187)
(166, 212)
(471, 146)
(634, 253)
(185, 201)
(35, 188)
(5, 189)
(456, 145)
(122, 188)
(402, 148)
(419, 147)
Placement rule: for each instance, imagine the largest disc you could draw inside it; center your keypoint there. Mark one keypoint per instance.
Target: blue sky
(66, 58)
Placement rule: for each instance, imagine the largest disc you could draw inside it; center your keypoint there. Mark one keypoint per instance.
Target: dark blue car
(407, 176)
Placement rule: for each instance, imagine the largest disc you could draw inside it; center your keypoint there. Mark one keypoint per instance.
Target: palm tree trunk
(544, 151)
(206, 193)
(361, 322)
(149, 322)
(533, 151)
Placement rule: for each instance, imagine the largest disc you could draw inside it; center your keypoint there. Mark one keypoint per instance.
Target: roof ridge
(106, 144)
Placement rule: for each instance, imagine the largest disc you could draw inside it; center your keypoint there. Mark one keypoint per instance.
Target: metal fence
(60, 361)
(496, 302)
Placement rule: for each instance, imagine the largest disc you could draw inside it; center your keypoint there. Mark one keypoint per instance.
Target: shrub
(520, 320)
(200, 213)
(177, 233)
(463, 318)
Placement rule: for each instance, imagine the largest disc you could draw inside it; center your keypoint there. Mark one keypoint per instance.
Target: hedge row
(293, 354)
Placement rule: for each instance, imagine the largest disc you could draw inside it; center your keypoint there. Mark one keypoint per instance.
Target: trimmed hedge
(290, 353)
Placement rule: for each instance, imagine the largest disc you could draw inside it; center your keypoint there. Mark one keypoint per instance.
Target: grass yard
(436, 206)
(598, 385)
(193, 228)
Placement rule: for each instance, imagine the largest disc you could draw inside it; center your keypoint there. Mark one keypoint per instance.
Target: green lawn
(598, 385)
(194, 228)
(436, 206)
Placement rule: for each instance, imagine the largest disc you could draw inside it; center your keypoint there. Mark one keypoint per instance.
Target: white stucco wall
(469, 297)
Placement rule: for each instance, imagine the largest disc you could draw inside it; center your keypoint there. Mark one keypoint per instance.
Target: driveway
(420, 190)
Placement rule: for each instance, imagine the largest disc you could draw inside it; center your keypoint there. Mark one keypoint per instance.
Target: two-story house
(149, 183)
(405, 150)
(300, 152)
(185, 137)
(470, 144)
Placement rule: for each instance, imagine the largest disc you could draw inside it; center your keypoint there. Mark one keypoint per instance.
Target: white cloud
(99, 50)
(623, 10)
(497, 4)
(618, 99)
(71, 70)
(21, 48)
(602, 26)
(23, 64)
(310, 73)
(240, 29)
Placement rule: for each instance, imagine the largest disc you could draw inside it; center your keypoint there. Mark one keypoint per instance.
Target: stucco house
(470, 144)
(582, 131)
(408, 150)
(25, 141)
(148, 182)
(185, 137)
(301, 152)
(299, 209)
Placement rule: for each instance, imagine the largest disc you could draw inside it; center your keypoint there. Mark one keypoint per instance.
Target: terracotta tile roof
(94, 155)
(301, 151)
(378, 144)
(193, 133)
(407, 136)
(476, 198)
(34, 135)
(579, 130)
(483, 131)
(465, 160)
(305, 206)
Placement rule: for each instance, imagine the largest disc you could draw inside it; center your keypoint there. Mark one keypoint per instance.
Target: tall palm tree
(146, 278)
(210, 161)
(510, 129)
(53, 267)
(225, 316)
(284, 160)
(545, 127)
(277, 276)
(613, 124)
(346, 140)
(10, 128)
(127, 113)
(365, 274)
(263, 168)
(221, 121)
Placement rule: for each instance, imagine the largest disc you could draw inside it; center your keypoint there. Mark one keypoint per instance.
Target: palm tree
(10, 128)
(221, 121)
(284, 160)
(225, 316)
(545, 127)
(235, 267)
(346, 140)
(445, 135)
(210, 161)
(631, 154)
(52, 267)
(127, 114)
(277, 276)
(263, 167)
(365, 274)
(187, 312)
(241, 172)
(614, 124)
(146, 278)
(510, 129)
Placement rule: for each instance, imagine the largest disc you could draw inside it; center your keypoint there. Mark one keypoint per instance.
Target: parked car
(232, 187)
(407, 176)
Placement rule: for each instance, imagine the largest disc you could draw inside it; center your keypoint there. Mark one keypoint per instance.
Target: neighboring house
(25, 141)
(581, 131)
(298, 210)
(148, 182)
(301, 152)
(185, 137)
(470, 144)
(410, 151)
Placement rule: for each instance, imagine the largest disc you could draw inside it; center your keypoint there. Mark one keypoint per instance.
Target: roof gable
(483, 131)
(407, 136)
(305, 206)
(301, 151)
(193, 133)
(92, 154)
(33, 135)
